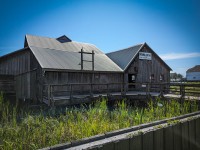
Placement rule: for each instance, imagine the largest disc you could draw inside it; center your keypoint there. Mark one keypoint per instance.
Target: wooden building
(56, 61)
(141, 64)
(193, 74)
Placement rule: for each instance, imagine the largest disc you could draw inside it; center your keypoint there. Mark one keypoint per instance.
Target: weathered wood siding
(16, 63)
(143, 69)
(26, 71)
(85, 78)
(7, 84)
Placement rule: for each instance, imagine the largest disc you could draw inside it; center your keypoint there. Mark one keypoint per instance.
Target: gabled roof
(53, 54)
(124, 57)
(194, 69)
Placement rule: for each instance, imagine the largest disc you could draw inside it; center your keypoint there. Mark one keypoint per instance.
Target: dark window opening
(131, 80)
(152, 77)
(161, 77)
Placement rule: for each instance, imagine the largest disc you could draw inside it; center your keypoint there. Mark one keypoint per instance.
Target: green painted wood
(192, 138)
(108, 146)
(148, 141)
(158, 139)
(185, 135)
(122, 144)
(197, 126)
(136, 142)
(177, 136)
(168, 138)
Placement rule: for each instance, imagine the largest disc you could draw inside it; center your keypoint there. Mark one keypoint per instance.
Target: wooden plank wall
(28, 74)
(144, 68)
(84, 77)
(23, 86)
(15, 64)
(7, 84)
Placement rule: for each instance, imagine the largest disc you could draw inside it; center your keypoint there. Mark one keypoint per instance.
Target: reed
(23, 129)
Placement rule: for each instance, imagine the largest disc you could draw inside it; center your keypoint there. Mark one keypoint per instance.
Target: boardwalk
(142, 91)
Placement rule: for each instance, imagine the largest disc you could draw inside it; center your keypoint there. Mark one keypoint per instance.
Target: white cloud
(179, 56)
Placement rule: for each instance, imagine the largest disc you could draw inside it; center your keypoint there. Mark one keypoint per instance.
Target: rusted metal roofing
(124, 57)
(53, 54)
(194, 69)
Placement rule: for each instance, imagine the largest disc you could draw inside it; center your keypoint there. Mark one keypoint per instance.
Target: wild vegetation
(21, 129)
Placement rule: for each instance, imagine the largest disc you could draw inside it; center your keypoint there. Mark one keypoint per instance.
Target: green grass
(20, 129)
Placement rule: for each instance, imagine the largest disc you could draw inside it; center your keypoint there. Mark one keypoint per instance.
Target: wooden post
(181, 89)
(48, 95)
(91, 91)
(81, 58)
(121, 84)
(51, 95)
(161, 89)
(92, 60)
(147, 89)
(107, 85)
(70, 92)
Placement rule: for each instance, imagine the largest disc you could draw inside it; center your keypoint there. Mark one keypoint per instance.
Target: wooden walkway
(143, 91)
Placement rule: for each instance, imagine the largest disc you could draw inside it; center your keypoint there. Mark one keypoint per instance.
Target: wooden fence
(89, 89)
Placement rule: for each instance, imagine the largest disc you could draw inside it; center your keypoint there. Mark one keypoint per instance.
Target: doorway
(132, 79)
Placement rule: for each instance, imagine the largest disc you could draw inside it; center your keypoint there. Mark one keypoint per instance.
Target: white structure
(193, 74)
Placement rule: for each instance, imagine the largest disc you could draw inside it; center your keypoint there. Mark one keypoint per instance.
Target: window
(133, 78)
(161, 77)
(152, 77)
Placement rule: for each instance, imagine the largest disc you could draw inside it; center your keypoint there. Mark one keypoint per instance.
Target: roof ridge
(39, 36)
(84, 43)
(126, 48)
(64, 50)
(56, 38)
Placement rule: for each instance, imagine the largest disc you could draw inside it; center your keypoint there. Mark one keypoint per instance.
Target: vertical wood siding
(145, 68)
(15, 64)
(83, 77)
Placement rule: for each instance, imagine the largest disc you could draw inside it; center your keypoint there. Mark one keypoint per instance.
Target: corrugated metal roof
(123, 57)
(52, 43)
(70, 60)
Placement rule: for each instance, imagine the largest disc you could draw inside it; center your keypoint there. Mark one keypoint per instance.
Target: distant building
(193, 74)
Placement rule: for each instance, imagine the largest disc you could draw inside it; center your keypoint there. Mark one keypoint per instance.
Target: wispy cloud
(172, 56)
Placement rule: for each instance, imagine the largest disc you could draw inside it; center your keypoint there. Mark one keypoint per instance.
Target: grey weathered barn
(141, 64)
(54, 61)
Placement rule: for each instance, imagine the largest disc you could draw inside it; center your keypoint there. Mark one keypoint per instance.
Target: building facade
(55, 61)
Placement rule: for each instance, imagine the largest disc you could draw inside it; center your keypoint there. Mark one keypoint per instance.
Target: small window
(133, 78)
(161, 77)
(152, 77)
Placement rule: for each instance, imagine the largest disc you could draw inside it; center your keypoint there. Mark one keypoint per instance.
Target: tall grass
(24, 130)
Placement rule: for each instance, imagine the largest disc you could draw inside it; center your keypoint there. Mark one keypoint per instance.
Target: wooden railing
(90, 89)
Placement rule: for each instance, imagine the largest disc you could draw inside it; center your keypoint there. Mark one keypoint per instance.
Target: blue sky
(170, 27)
